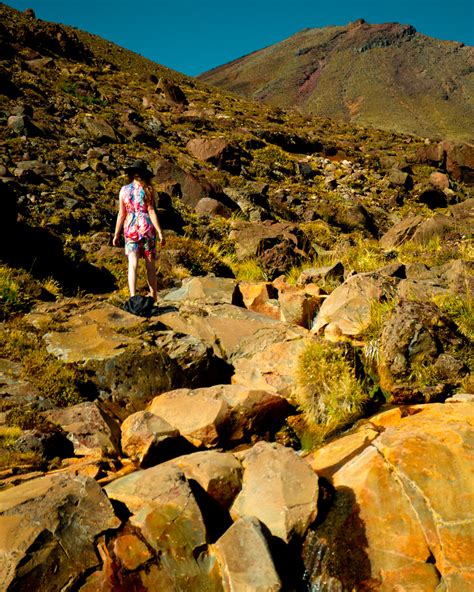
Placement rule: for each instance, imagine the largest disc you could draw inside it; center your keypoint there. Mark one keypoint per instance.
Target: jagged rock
(222, 413)
(216, 151)
(22, 125)
(165, 511)
(289, 487)
(200, 418)
(254, 204)
(207, 206)
(40, 63)
(245, 558)
(37, 167)
(328, 459)
(334, 273)
(401, 513)
(412, 340)
(298, 307)
(422, 283)
(218, 473)
(144, 435)
(209, 289)
(50, 525)
(91, 338)
(88, 428)
(99, 129)
(232, 331)
(346, 311)
(271, 367)
(260, 297)
(437, 226)
(401, 232)
(171, 92)
(189, 188)
(400, 178)
(252, 239)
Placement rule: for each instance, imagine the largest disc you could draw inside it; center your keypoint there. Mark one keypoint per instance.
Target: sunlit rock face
(401, 513)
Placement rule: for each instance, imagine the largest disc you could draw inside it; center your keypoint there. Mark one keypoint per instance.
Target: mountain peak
(385, 75)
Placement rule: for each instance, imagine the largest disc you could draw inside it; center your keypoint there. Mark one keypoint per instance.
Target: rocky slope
(309, 362)
(387, 75)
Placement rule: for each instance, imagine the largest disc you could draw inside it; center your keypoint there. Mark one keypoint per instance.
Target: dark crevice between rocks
(216, 517)
(167, 450)
(286, 559)
(334, 549)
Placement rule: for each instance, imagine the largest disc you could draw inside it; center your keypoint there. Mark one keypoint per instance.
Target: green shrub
(13, 298)
(328, 391)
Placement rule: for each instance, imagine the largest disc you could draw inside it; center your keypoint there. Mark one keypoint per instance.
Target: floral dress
(140, 234)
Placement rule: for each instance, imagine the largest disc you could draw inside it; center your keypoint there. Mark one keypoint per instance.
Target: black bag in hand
(142, 306)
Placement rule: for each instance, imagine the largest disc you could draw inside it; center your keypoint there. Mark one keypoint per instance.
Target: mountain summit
(385, 75)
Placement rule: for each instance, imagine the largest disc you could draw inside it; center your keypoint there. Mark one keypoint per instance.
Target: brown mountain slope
(389, 76)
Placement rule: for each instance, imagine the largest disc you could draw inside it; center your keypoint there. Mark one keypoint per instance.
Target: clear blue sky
(192, 36)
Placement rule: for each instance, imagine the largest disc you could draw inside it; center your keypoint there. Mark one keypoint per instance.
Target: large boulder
(347, 310)
(218, 473)
(50, 526)
(232, 331)
(216, 151)
(289, 487)
(145, 436)
(130, 370)
(165, 512)
(185, 185)
(413, 339)
(245, 558)
(88, 427)
(221, 414)
(401, 515)
(272, 367)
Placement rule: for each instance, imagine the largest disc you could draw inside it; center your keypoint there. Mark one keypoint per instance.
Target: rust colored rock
(199, 418)
(207, 206)
(216, 151)
(165, 511)
(287, 484)
(402, 512)
(271, 368)
(401, 232)
(439, 180)
(260, 297)
(298, 307)
(144, 434)
(245, 558)
(218, 473)
(88, 427)
(50, 525)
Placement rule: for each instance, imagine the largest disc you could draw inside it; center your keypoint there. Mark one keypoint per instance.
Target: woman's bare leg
(132, 272)
(151, 276)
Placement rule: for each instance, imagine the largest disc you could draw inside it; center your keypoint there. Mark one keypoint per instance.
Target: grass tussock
(460, 309)
(63, 384)
(328, 391)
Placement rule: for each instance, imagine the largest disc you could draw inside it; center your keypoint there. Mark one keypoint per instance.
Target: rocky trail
(180, 475)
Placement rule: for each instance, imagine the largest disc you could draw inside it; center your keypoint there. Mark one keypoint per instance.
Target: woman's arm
(154, 220)
(122, 214)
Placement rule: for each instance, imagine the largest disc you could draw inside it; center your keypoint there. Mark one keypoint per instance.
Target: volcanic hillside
(387, 75)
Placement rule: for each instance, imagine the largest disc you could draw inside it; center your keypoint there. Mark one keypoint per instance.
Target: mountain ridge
(361, 72)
